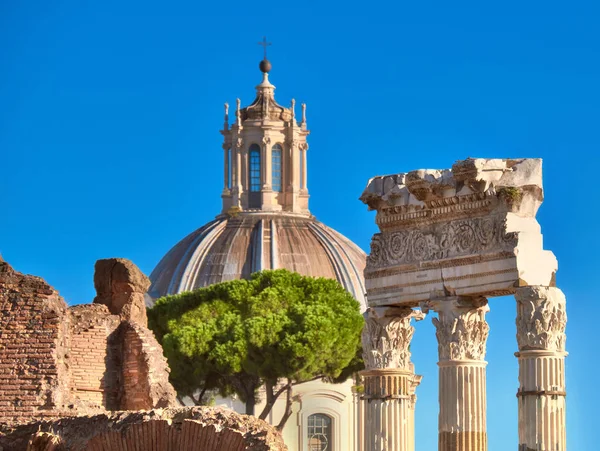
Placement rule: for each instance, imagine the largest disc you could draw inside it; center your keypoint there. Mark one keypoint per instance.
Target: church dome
(265, 222)
(229, 248)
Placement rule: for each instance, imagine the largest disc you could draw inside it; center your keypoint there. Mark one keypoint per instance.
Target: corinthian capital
(386, 337)
(541, 318)
(461, 329)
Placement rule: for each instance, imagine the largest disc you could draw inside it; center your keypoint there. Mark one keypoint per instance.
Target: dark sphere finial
(265, 66)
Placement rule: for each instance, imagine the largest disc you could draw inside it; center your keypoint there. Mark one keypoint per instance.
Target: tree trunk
(270, 399)
(250, 404)
(288, 406)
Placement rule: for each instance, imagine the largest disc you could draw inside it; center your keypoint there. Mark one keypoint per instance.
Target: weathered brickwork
(32, 335)
(182, 429)
(88, 355)
(94, 362)
(143, 365)
(59, 361)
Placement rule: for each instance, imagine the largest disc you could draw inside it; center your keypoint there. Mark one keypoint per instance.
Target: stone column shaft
(462, 420)
(389, 380)
(226, 181)
(389, 414)
(266, 179)
(304, 169)
(462, 333)
(541, 322)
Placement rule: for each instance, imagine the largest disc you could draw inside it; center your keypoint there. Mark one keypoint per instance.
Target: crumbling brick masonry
(57, 360)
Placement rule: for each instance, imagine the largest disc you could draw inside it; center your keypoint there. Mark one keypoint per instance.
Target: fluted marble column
(389, 379)
(541, 322)
(462, 333)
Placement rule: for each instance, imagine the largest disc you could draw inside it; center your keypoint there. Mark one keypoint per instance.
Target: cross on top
(265, 44)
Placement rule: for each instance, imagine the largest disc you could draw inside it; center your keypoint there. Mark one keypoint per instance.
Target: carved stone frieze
(461, 328)
(541, 318)
(386, 337)
(439, 241)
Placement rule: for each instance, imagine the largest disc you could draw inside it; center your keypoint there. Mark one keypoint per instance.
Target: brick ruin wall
(63, 369)
(32, 346)
(182, 429)
(94, 355)
(61, 361)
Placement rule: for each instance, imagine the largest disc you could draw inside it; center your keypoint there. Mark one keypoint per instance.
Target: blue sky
(109, 136)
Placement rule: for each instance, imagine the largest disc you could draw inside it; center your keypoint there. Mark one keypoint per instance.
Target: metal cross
(265, 44)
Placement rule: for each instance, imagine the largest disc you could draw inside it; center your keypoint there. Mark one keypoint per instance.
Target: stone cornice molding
(475, 184)
(386, 337)
(541, 318)
(461, 329)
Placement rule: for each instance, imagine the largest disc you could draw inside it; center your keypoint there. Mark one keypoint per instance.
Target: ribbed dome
(234, 247)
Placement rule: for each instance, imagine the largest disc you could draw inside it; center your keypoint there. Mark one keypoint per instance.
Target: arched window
(254, 168)
(276, 167)
(319, 433)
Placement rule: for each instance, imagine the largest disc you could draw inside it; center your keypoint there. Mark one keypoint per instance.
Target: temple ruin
(449, 240)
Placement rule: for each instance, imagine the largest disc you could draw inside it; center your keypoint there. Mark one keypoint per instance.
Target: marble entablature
(465, 231)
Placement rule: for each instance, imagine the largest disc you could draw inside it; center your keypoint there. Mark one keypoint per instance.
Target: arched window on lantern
(254, 197)
(254, 168)
(276, 152)
(319, 433)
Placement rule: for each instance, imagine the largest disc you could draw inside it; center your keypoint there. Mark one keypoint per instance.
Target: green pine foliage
(277, 328)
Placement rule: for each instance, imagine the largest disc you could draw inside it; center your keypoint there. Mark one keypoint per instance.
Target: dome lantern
(265, 164)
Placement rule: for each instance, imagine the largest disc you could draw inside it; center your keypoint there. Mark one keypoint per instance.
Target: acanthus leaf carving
(461, 328)
(541, 318)
(386, 337)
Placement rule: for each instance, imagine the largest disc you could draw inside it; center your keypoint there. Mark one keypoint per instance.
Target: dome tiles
(230, 248)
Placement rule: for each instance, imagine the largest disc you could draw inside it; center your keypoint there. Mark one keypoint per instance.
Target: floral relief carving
(439, 241)
(541, 318)
(461, 328)
(386, 339)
